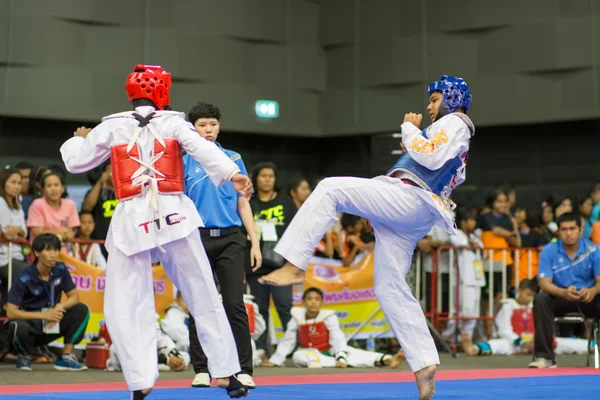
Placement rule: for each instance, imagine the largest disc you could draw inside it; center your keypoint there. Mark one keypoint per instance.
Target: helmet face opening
(149, 82)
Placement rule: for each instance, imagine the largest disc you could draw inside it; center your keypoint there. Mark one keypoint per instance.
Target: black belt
(219, 232)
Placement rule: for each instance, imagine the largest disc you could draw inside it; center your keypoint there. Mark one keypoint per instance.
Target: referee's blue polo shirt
(216, 206)
(580, 271)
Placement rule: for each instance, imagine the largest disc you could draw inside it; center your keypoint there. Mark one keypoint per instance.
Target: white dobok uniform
(472, 279)
(153, 225)
(515, 321)
(165, 345)
(401, 215)
(328, 338)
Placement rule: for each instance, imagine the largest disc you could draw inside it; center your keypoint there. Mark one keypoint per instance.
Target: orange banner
(90, 283)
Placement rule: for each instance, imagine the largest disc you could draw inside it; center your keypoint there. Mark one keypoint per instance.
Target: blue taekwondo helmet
(455, 93)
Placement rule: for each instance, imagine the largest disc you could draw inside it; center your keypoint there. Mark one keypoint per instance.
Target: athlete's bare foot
(426, 382)
(467, 345)
(397, 359)
(287, 275)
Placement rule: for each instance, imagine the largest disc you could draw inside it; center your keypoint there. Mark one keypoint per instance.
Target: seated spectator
(35, 311)
(329, 246)
(257, 326)
(34, 191)
(549, 227)
(596, 232)
(499, 231)
(595, 195)
(51, 213)
(585, 211)
(25, 169)
(516, 329)
(91, 253)
(350, 242)
(175, 323)
(12, 226)
(321, 342)
(299, 191)
(569, 277)
(100, 200)
(532, 239)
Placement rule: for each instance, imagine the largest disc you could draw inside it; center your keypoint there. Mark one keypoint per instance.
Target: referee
(223, 210)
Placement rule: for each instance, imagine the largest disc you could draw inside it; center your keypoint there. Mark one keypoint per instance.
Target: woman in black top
(271, 206)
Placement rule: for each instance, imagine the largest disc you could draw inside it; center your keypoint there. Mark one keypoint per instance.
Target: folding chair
(592, 326)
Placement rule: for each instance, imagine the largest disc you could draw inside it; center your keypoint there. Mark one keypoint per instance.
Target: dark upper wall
(337, 67)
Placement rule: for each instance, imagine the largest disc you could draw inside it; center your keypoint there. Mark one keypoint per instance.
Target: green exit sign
(266, 109)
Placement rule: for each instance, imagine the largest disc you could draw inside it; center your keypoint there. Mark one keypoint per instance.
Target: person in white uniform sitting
(321, 342)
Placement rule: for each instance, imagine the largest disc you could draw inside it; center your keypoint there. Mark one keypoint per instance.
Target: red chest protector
(522, 322)
(251, 317)
(314, 336)
(170, 164)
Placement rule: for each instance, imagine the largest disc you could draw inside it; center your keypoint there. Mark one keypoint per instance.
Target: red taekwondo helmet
(150, 82)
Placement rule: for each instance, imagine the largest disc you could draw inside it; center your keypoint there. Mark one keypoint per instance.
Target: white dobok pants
(129, 309)
(504, 347)
(356, 358)
(400, 218)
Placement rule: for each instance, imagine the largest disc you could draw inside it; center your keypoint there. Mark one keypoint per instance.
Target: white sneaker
(247, 381)
(201, 380)
(542, 363)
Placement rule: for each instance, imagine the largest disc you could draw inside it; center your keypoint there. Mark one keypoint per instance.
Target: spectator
(223, 212)
(511, 197)
(562, 205)
(91, 253)
(299, 191)
(595, 195)
(12, 226)
(470, 268)
(596, 232)
(37, 315)
(101, 201)
(34, 190)
(321, 342)
(516, 331)
(52, 213)
(350, 238)
(273, 210)
(499, 231)
(585, 211)
(176, 323)
(25, 168)
(569, 277)
(532, 239)
(329, 246)
(548, 225)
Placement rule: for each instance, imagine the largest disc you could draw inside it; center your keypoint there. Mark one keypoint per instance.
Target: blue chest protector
(436, 180)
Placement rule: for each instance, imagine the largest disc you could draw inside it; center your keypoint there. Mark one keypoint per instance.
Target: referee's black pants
(225, 249)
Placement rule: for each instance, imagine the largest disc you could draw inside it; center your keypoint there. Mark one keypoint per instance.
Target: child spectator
(532, 239)
(516, 329)
(471, 274)
(91, 253)
(322, 342)
(299, 191)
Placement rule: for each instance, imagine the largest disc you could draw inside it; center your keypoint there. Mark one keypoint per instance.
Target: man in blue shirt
(569, 277)
(34, 307)
(223, 211)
